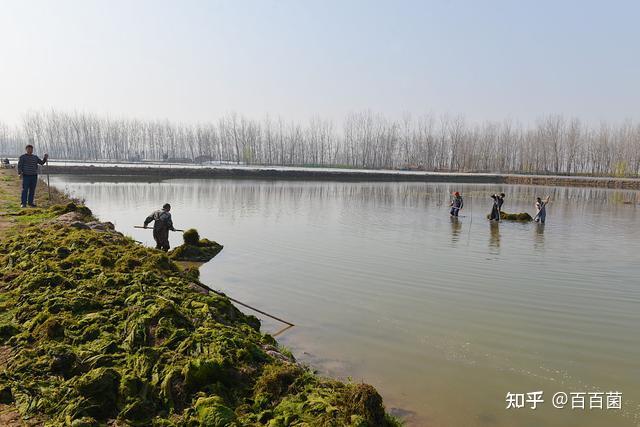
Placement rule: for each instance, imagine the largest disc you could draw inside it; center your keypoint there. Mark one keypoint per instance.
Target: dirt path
(8, 198)
(10, 190)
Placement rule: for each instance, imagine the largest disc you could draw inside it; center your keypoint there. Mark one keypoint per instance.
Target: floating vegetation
(523, 216)
(103, 331)
(194, 248)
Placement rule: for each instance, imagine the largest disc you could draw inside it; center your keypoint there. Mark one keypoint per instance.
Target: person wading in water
(456, 204)
(161, 226)
(541, 210)
(498, 200)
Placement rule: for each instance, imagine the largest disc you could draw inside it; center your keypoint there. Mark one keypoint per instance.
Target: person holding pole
(28, 171)
(541, 210)
(456, 204)
(498, 201)
(162, 223)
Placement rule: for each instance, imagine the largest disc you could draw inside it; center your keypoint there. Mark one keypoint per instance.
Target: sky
(193, 61)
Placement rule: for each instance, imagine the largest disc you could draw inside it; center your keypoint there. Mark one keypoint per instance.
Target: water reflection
(538, 235)
(456, 228)
(417, 195)
(494, 237)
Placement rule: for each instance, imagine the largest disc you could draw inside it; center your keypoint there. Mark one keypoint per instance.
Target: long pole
(48, 183)
(246, 305)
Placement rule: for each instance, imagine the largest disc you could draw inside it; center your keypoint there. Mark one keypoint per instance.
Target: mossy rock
(521, 217)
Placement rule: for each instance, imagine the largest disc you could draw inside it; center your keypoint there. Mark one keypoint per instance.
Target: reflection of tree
(242, 196)
(539, 235)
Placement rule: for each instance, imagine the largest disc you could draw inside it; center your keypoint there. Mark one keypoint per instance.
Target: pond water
(445, 317)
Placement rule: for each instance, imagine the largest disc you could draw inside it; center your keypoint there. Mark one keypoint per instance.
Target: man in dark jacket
(498, 200)
(161, 226)
(28, 170)
(456, 204)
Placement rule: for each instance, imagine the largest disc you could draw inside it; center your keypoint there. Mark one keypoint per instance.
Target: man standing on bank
(161, 226)
(28, 170)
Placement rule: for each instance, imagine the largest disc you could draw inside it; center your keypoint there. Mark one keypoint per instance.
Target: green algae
(38, 215)
(83, 211)
(191, 237)
(213, 413)
(195, 249)
(522, 217)
(104, 329)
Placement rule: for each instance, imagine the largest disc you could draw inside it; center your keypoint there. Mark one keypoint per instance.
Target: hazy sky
(195, 60)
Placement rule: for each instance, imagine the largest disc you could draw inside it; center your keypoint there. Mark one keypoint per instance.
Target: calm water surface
(444, 317)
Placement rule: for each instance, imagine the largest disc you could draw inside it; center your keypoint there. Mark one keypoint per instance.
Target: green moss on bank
(104, 329)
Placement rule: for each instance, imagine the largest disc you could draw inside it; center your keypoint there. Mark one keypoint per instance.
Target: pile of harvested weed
(195, 249)
(103, 331)
(522, 216)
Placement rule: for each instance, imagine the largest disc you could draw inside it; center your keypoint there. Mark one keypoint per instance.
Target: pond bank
(98, 330)
(334, 174)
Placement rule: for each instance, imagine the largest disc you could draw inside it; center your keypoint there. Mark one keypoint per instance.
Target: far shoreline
(168, 171)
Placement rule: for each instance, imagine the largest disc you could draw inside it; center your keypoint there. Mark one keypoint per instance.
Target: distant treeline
(553, 145)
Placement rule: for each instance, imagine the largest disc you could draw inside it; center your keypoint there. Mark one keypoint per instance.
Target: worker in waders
(456, 204)
(541, 210)
(498, 201)
(161, 226)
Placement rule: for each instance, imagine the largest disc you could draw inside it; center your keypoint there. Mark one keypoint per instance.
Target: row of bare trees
(553, 144)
